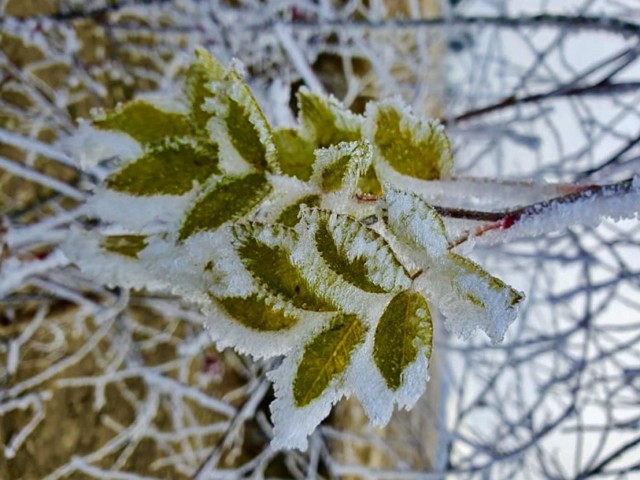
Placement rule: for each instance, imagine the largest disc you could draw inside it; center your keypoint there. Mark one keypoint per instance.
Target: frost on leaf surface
(301, 241)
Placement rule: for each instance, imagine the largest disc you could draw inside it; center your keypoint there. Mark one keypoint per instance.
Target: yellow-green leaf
(334, 174)
(326, 121)
(404, 327)
(127, 245)
(226, 200)
(289, 216)
(273, 268)
(245, 136)
(256, 313)
(145, 122)
(369, 183)
(167, 169)
(202, 72)
(295, 154)
(325, 357)
(410, 145)
(354, 270)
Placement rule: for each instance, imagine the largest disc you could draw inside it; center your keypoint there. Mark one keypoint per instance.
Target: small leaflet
(359, 255)
(404, 327)
(271, 266)
(295, 154)
(167, 169)
(410, 145)
(247, 127)
(325, 121)
(290, 215)
(339, 168)
(412, 220)
(326, 357)
(203, 71)
(229, 199)
(258, 313)
(477, 299)
(145, 122)
(127, 245)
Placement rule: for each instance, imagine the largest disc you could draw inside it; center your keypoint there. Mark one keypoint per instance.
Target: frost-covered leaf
(356, 253)
(290, 215)
(404, 327)
(171, 168)
(258, 312)
(225, 200)
(295, 154)
(369, 183)
(202, 72)
(325, 120)
(245, 125)
(413, 221)
(127, 245)
(470, 298)
(339, 168)
(271, 265)
(326, 357)
(410, 145)
(145, 122)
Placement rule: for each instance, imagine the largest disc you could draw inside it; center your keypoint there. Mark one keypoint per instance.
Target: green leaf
(369, 183)
(289, 216)
(168, 169)
(326, 121)
(226, 200)
(145, 122)
(245, 136)
(127, 245)
(355, 270)
(334, 174)
(404, 327)
(410, 145)
(256, 313)
(273, 268)
(295, 154)
(325, 357)
(203, 71)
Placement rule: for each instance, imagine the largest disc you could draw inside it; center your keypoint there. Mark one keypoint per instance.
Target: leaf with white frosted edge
(289, 216)
(410, 145)
(145, 122)
(246, 126)
(295, 154)
(326, 357)
(359, 255)
(228, 199)
(339, 167)
(404, 327)
(325, 121)
(127, 245)
(112, 262)
(412, 220)
(170, 168)
(266, 253)
(205, 70)
(470, 298)
(259, 312)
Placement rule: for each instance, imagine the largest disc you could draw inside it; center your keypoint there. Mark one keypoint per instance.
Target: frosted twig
(37, 177)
